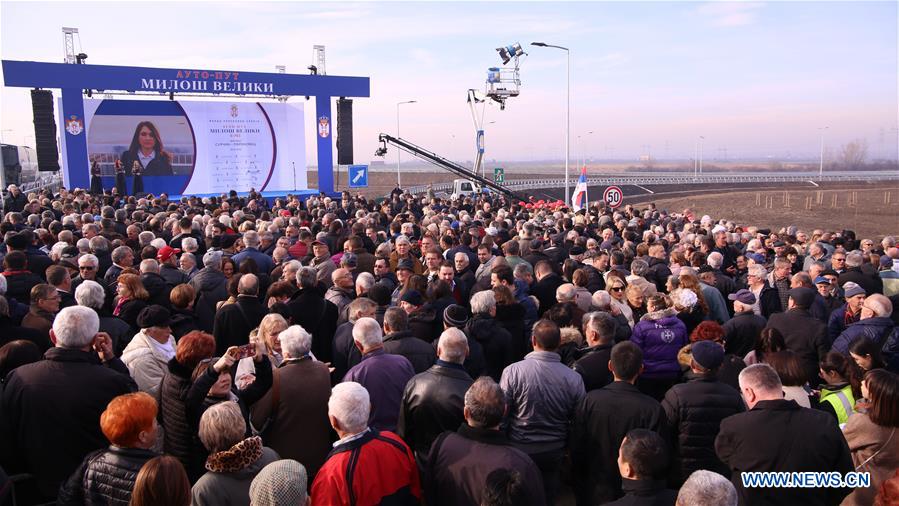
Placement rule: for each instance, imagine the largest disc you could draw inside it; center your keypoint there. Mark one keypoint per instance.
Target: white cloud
(730, 14)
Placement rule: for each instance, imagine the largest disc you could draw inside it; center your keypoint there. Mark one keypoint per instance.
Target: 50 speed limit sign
(613, 196)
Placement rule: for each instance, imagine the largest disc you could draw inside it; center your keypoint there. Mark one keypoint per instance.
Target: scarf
(118, 306)
(236, 458)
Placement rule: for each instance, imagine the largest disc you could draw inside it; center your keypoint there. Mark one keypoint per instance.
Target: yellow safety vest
(842, 401)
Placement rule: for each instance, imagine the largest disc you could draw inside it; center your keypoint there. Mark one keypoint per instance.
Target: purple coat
(385, 377)
(660, 335)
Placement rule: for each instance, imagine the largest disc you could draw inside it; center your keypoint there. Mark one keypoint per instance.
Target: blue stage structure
(74, 79)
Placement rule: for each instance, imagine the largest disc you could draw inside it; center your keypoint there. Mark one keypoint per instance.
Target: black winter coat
(593, 366)
(781, 436)
(180, 438)
(318, 316)
(545, 291)
(172, 275)
(19, 285)
(11, 332)
(233, 322)
(344, 352)
(105, 477)
(128, 313)
(645, 493)
(742, 332)
(600, 423)
(694, 411)
(211, 287)
(871, 284)
(49, 413)
(495, 341)
(419, 353)
(804, 335)
(183, 322)
(432, 403)
(158, 288)
(511, 318)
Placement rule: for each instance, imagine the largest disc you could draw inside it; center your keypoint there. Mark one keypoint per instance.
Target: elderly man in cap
(741, 333)
(167, 257)
(149, 352)
(322, 263)
(847, 314)
(804, 335)
(695, 409)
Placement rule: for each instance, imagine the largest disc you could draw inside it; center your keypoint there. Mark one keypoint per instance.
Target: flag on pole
(579, 198)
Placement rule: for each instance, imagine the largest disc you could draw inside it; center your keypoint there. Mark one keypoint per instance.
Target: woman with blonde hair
(616, 287)
(271, 325)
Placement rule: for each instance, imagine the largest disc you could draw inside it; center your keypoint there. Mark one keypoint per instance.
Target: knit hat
(708, 354)
(851, 289)
(153, 316)
(455, 316)
(281, 483)
(413, 297)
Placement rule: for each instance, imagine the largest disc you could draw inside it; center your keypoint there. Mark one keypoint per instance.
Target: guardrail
(643, 180)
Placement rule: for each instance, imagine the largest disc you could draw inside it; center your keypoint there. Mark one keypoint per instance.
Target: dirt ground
(871, 213)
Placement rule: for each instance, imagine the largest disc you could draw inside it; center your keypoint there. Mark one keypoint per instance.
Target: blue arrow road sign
(358, 176)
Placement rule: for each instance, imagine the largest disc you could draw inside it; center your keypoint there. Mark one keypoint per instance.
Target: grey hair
(707, 488)
(715, 260)
(119, 253)
(83, 245)
(360, 307)
(396, 319)
(602, 323)
(402, 239)
(781, 262)
(757, 270)
(483, 302)
(366, 280)
(453, 346)
(367, 332)
(75, 326)
(486, 403)
(880, 304)
(307, 277)
(464, 256)
(761, 377)
(350, 404)
(601, 300)
(295, 341)
(855, 259)
(145, 238)
(189, 244)
(251, 239)
(88, 260)
(90, 294)
(522, 270)
(189, 256)
(566, 292)
(248, 285)
(149, 265)
(212, 260)
(222, 426)
(639, 267)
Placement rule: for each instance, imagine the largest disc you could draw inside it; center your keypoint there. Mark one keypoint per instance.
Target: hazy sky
(756, 79)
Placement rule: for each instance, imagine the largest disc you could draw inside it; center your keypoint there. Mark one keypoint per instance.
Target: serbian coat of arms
(74, 125)
(324, 126)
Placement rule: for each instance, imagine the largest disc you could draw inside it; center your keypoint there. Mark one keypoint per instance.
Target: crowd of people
(239, 350)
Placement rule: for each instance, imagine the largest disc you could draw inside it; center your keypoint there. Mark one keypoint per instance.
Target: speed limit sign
(613, 196)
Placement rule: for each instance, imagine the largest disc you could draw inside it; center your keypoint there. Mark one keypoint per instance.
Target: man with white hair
(854, 272)
(366, 466)
(294, 412)
(315, 314)
(15, 201)
(211, 286)
(706, 488)
(768, 436)
(251, 242)
(403, 251)
(874, 324)
(384, 375)
(433, 400)
(50, 410)
(122, 258)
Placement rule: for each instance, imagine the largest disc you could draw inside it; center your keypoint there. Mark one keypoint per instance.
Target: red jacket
(378, 467)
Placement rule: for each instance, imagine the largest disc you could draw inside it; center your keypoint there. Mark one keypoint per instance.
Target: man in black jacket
(545, 288)
(459, 462)
(695, 409)
(433, 401)
(50, 410)
(310, 310)
(234, 322)
(742, 331)
(593, 366)
(777, 435)
(642, 462)
(399, 340)
(602, 420)
(804, 334)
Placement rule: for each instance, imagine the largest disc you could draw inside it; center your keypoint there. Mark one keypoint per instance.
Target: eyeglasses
(835, 259)
(86, 268)
(617, 289)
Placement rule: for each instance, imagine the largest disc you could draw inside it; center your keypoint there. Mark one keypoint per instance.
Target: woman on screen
(146, 149)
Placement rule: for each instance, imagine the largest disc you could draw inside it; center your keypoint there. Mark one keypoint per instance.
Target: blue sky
(758, 79)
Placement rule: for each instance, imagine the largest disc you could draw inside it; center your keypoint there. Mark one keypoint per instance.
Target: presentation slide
(198, 148)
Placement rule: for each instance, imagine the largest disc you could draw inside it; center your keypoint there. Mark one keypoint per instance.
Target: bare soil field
(871, 213)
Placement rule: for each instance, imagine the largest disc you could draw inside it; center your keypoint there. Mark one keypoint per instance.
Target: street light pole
(398, 151)
(567, 110)
(701, 138)
(821, 164)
